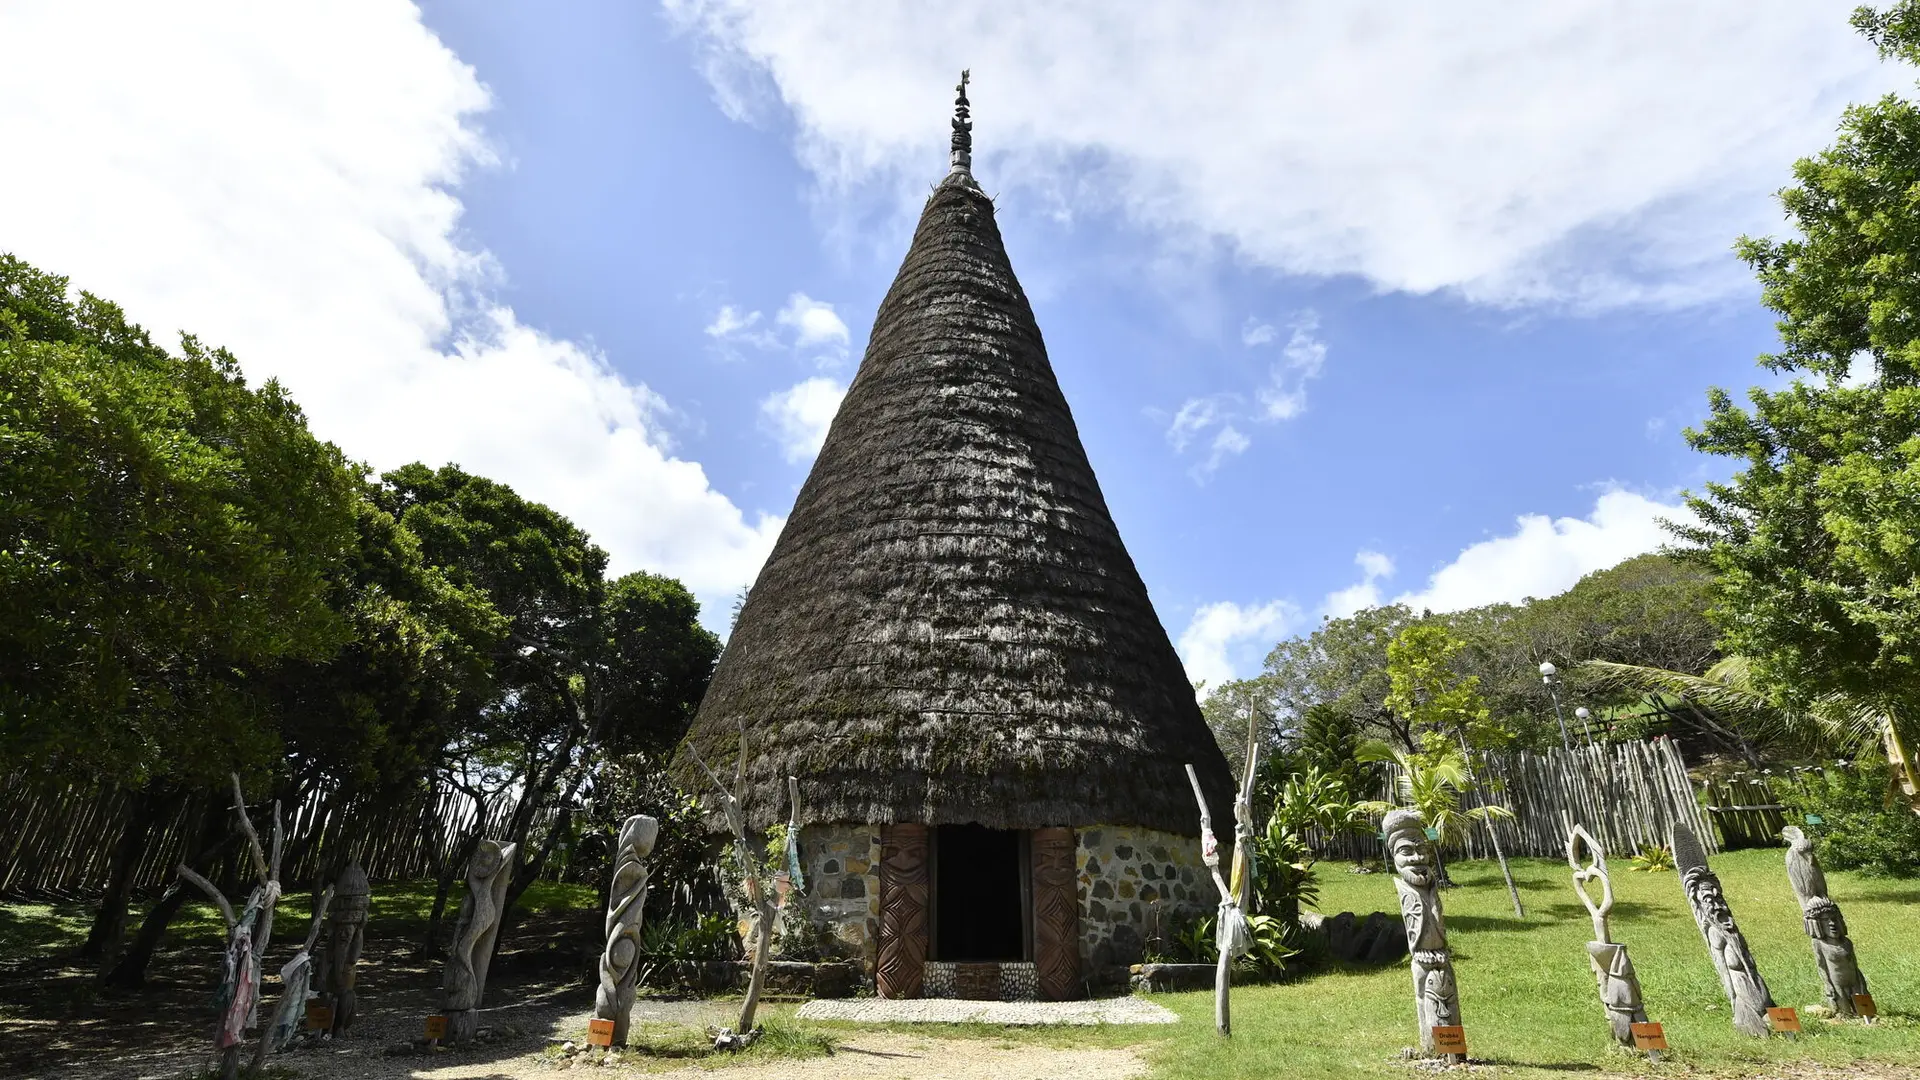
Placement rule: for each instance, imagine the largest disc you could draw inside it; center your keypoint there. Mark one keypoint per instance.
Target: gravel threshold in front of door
(1120, 1010)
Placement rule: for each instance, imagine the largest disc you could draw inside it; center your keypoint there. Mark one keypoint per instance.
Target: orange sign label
(1449, 1039)
(1783, 1018)
(319, 1017)
(599, 1033)
(1863, 1004)
(1649, 1037)
(436, 1028)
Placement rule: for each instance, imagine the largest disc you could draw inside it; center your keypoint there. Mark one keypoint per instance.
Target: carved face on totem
(1440, 994)
(1407, 842)
(1824, 921)
(1711, 903)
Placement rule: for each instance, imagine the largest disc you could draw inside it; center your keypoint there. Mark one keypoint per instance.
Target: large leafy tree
(582, 668)
(167, 533)
(166, 530)
(1816, 540)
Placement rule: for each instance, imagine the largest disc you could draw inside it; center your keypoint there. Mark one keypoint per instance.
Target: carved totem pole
(1826, 927)
(488, 874)
(346, 933)
(626, 903)
(1739, 975)
(1436, 995)
(1612, 969)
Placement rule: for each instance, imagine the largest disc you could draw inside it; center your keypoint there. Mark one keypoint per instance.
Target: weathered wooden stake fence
(59, 843)
(1627, 794)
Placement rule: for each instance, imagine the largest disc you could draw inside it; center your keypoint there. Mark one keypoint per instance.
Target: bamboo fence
(1627, 794)
(59, 843)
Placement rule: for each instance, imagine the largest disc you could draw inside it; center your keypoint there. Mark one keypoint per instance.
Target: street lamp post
(1585, 716)
(1547, 672)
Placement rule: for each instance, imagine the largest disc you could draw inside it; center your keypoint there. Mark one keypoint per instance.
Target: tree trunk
(430, 947)
(109, 928)
(130, 973)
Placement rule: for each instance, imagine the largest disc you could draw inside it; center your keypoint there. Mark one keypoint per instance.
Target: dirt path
(875, 1056)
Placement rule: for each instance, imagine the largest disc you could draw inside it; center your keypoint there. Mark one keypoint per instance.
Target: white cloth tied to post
(1232, 934)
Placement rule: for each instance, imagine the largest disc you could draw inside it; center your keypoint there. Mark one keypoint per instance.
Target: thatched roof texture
(949, 629)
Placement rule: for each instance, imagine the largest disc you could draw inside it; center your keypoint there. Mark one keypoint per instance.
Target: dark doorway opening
(980, 890)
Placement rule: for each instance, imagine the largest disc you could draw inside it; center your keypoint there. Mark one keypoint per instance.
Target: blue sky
(1348, 307)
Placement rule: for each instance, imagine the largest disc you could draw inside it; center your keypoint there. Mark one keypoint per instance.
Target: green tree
(1426, 692)
(167, 534)
(1815, 542)
(582, 667)
(166, 531)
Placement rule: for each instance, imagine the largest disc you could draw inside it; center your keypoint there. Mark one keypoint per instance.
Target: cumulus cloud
(814, 322)
(799, 416)
(283, 181)
(1544, 556)
(1225, 637)
(1364, 593)
(730, 322)
(1591, 152)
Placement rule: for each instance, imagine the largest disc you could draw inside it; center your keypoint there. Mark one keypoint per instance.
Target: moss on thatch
(949, 628)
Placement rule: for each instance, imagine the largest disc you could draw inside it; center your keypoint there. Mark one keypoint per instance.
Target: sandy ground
(870, 1056)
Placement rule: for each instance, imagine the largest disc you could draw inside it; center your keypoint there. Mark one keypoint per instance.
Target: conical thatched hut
(951, 649)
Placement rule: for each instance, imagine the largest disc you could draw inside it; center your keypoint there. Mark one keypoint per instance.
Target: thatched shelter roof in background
(949, 629)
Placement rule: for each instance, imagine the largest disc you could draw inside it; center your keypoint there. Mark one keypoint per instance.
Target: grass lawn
(1528, 1001)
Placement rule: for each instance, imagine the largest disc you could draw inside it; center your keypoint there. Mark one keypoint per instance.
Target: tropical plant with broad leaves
(1432, 781)
(1653, 859)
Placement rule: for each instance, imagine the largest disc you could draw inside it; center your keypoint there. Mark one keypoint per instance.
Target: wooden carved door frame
(904, 888)
(1056, 913)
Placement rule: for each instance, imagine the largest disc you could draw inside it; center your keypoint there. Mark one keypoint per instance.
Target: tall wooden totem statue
(346, 933)
(626, 903)
(1612, 969)
(1436, 996)
(1739, 976)
(488, 874)
(1826, 927)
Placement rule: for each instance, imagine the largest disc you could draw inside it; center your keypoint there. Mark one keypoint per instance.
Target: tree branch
(246, 826)
(187, 874)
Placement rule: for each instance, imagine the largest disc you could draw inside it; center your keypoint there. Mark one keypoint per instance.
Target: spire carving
(962, 128)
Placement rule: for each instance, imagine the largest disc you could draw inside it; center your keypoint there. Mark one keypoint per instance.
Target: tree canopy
(167, 531)
(1815, 541)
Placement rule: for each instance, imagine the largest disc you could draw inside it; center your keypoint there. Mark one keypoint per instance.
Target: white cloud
(799, 416)
(1591, 152)
(1254, 332)
(1285, 394)
(282, 180)
(1364, 593)
(1281, 397)
(1196, 415)
(1224, 637)
(813, 322)
(729, 322)
(1227, 442)
(1544, 556)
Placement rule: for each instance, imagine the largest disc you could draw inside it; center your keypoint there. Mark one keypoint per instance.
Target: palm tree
(1431, 781)
(1839, 723)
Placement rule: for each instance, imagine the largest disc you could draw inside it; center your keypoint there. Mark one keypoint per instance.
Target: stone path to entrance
(1124, 1010)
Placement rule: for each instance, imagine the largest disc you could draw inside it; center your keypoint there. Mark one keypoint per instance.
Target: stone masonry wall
(842, 864)
(1130, 877)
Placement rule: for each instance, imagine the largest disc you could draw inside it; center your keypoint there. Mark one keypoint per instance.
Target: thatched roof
(949, 628)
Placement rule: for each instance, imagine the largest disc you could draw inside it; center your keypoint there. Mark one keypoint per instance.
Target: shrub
(1847, 809)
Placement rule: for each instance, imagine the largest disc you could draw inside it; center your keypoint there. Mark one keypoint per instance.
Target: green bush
(1846, 808)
